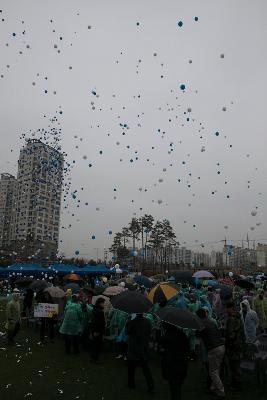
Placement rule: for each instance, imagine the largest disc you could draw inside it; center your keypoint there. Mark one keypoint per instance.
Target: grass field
(46, 373)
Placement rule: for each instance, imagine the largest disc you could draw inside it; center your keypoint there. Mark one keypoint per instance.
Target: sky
(162, 110)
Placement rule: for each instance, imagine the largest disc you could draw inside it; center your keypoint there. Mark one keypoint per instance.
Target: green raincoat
(72, 322)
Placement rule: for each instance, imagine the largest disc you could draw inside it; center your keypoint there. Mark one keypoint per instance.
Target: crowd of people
(231, 324)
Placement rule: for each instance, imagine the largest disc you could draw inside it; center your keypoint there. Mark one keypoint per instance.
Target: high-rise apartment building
(39, 187)
(8, 189)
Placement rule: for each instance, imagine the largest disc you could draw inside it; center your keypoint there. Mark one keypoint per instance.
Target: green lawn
(46, 373)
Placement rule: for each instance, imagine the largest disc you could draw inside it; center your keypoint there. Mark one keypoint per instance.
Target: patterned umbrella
(107, 304)
(162, 292)
(113, 290)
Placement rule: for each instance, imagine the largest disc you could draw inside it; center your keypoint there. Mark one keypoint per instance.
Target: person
(260, 306)
(234, 344)
(86, 315)
(27, 302)
(13, 317)
(214, 344)
(68, 296)
(71, 326)
(175, 346)
(97, 328)
(250, 320)
(138, 330)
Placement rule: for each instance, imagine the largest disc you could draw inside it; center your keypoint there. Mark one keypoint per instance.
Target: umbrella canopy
(226, 281)
(131, 302)
(158, 278)
(113, 290)
(107, 304)
(162, 292)
(143, 281)
(181, 318)
(23, 282)
(73, 286)
(38, 285)
(130, 286)
(203, 275)
(73, 278)
(99, 290)
(183, 276)
(55, 292)
(244, 284)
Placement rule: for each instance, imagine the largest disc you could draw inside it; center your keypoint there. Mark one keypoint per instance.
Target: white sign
(45, 310)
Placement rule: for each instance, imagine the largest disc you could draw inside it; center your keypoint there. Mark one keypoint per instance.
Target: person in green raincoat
(71, 327)
(13, 317)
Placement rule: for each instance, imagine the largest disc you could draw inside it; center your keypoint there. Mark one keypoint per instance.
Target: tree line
(155, 237)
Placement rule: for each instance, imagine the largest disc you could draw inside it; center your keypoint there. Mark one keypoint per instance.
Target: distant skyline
(170, 116)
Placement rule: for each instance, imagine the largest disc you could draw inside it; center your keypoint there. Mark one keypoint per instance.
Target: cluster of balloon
(178, 110)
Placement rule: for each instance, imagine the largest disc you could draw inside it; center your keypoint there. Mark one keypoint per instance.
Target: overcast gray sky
(134, 57)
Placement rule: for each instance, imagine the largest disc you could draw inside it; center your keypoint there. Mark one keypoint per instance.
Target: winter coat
(98, 322)
(139, 331)
(260, 306)
(117, 321)
(211, 335)
(174, 362)
(250, 322)
(72, 322)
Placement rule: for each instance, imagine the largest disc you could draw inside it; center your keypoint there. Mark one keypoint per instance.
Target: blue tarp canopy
(86, 270)
(57, 268)
(24, 269)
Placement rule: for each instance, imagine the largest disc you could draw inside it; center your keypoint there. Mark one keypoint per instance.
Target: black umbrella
(142, 280)
(180, 318)
(244, 284)
(99, 290)
(183, 277)
(38, 285)
(131, 302)
(23, 282)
